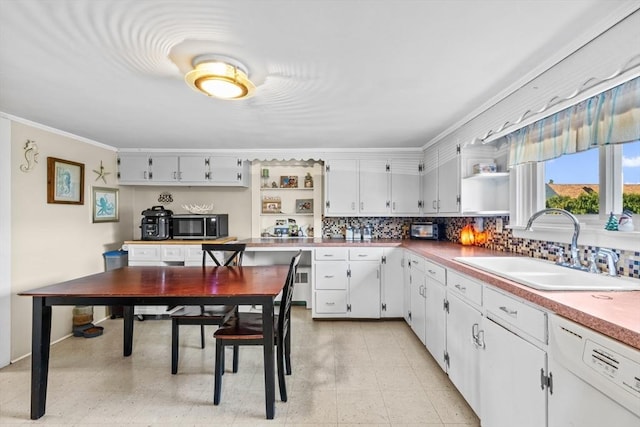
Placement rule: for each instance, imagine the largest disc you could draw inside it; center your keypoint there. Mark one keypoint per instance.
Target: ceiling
(330, 74)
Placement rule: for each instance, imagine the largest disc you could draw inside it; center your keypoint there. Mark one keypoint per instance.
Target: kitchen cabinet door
(373, 187)
(441, 180)
(511, 385)
(430, 182)
(407, 288)
(165, 168)
(133, 168)
(449, 179)
(463, 367)
(392, 296)
(418, 303)
(405, 186)
(364, 289)
(194, 168)
(341, 188)
(435, 320)
(229, 170)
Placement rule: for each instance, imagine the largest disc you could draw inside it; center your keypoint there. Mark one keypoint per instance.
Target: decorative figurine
(612, 223)
(625, 223)
(308, 180)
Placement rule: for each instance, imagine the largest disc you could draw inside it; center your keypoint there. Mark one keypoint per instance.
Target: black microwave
(200, 227)
(426, 231)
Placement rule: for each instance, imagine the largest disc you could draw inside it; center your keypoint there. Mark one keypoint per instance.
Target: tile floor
(374, 373)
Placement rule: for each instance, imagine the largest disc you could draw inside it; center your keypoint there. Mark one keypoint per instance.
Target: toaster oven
(426, 231)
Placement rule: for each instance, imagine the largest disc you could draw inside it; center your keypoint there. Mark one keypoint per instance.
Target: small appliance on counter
(426, 231)
(156, 223)
(200, 227)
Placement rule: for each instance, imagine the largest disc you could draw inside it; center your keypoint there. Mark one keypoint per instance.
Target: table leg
(40, 346)
(127, 315)
(269, 370)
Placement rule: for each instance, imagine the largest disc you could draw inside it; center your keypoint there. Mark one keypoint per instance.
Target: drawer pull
(461, 288)
(431, 272)
(362, 255)
(329, 303)
(328, 277)
(510, 312)
(328, 255)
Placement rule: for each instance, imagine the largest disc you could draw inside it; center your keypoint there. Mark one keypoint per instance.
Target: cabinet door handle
(361, 206)
(510, 312)
(144, 174)
(461, 288)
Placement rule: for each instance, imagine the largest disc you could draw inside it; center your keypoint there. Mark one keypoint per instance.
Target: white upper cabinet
(229, 170)
(372, 187)
(173, 169)
(441, 181)
(485, 191)
(341, 188)
(133, 168)
(406, 177)
(165, 168)
(194, 168)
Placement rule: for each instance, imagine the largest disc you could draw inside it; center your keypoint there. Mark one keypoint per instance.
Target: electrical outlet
(499, 225)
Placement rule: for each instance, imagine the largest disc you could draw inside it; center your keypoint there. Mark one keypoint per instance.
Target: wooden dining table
(155, 285)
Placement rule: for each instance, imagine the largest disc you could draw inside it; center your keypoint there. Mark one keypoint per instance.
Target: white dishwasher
(595, 379)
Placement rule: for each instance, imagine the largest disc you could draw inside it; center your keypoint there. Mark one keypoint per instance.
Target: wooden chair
(246, 329)
(209, 314)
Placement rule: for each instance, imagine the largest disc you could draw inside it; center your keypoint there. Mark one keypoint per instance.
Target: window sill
(589, 236)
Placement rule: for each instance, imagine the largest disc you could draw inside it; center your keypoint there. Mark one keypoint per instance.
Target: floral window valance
(611, 117)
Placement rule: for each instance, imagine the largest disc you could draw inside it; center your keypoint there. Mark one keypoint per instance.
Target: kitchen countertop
(615, 314)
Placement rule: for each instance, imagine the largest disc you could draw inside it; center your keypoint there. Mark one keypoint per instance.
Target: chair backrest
(287, 296)
(236, 251)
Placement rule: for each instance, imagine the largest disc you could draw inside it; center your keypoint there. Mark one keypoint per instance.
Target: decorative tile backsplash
(398, 228)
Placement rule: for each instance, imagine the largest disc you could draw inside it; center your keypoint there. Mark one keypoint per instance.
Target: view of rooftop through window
(571, 181)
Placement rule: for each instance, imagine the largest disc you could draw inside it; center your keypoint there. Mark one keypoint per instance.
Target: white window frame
(528, 196)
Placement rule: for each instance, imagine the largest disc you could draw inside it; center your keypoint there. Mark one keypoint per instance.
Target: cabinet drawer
(416, 262)
(193, 253)
(524, 317)
(435, 271)
(331, 302)
(365, 254)
(144, 253)
(172, 253)
(331, 254)
(331, 275)
(465, 287)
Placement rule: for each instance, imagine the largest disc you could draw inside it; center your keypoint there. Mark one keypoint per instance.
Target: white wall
(234, 201)
(55, 242)
(5, 242)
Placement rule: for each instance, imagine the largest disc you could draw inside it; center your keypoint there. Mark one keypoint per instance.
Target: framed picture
(304, 205)
(65, 181)
(288, 182)
(271, 205)
(105, 204)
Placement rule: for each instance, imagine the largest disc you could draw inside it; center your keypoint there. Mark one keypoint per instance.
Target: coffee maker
(156, 223)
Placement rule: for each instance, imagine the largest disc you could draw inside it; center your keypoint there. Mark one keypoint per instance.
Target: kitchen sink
(547, 276)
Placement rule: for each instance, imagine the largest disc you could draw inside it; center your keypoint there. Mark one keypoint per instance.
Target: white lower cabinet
(435, 314)
(511, 380)
(347, 282)
(463, 349)
(417, 303)
(513, 363)
(392, 286)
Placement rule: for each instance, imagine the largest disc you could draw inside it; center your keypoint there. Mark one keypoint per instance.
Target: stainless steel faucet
(575, 260)
(612, 261)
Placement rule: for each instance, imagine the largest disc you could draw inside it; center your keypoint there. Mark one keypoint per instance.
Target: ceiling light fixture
(220, 76)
